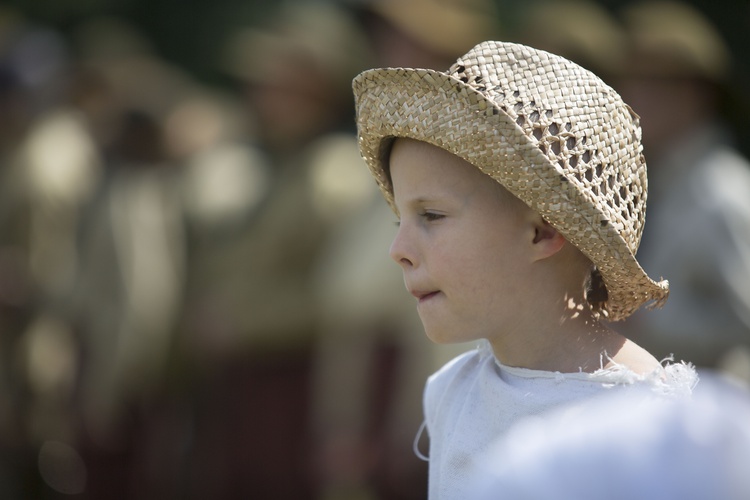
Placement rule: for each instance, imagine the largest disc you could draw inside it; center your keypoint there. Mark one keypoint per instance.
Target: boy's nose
(401, 251)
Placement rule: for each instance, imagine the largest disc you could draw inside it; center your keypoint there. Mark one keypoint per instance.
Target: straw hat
(549, 131)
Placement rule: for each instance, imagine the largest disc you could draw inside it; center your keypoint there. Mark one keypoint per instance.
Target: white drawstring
(416, 442)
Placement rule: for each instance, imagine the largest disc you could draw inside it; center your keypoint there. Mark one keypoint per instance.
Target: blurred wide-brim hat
(673, 39)
(549, 131)
(446, 27)
(318, 34)
(583, 31)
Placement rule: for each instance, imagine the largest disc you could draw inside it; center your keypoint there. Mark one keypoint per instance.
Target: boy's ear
(547, 240)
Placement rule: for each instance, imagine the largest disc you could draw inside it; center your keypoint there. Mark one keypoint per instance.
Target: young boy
(520, 188)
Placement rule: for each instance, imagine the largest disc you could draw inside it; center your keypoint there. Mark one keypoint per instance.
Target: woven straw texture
(549, 131)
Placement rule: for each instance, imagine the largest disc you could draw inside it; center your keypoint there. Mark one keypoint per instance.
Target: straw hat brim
(440, 109)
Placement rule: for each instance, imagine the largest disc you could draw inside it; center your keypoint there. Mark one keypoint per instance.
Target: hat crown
(590, 136)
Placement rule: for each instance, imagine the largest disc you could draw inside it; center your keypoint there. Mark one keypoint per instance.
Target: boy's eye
(432, 216)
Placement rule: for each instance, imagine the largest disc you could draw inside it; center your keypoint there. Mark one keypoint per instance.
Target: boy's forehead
(414, 144)
(414, 152)
(417, 150)
(424, 166)
(437, 168)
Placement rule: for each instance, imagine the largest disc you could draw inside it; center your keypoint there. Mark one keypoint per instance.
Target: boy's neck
(569, 339)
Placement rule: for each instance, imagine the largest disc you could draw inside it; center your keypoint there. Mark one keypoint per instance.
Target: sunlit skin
(483, 265)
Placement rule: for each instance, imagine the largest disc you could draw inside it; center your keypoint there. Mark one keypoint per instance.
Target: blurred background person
(128, 293)
(677, 76)
(252, 322)
(49, 167)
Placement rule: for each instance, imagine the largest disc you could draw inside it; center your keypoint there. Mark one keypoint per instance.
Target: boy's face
(462, 244)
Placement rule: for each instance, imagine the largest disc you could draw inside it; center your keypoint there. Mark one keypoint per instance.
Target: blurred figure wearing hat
(677, 70)
(253, 324)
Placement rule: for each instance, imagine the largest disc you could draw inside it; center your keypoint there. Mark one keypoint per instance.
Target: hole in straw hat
(596, 294)
(616, 203)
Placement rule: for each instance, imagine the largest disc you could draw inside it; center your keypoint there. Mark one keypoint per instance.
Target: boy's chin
(441, 336)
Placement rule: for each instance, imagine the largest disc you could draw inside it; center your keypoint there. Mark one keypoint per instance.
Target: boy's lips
(423, 296)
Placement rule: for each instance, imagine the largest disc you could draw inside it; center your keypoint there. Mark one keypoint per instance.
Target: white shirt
(474, 399)
(628, 445)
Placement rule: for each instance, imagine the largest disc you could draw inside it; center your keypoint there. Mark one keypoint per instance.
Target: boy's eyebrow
(419, 200)
(411, 203)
